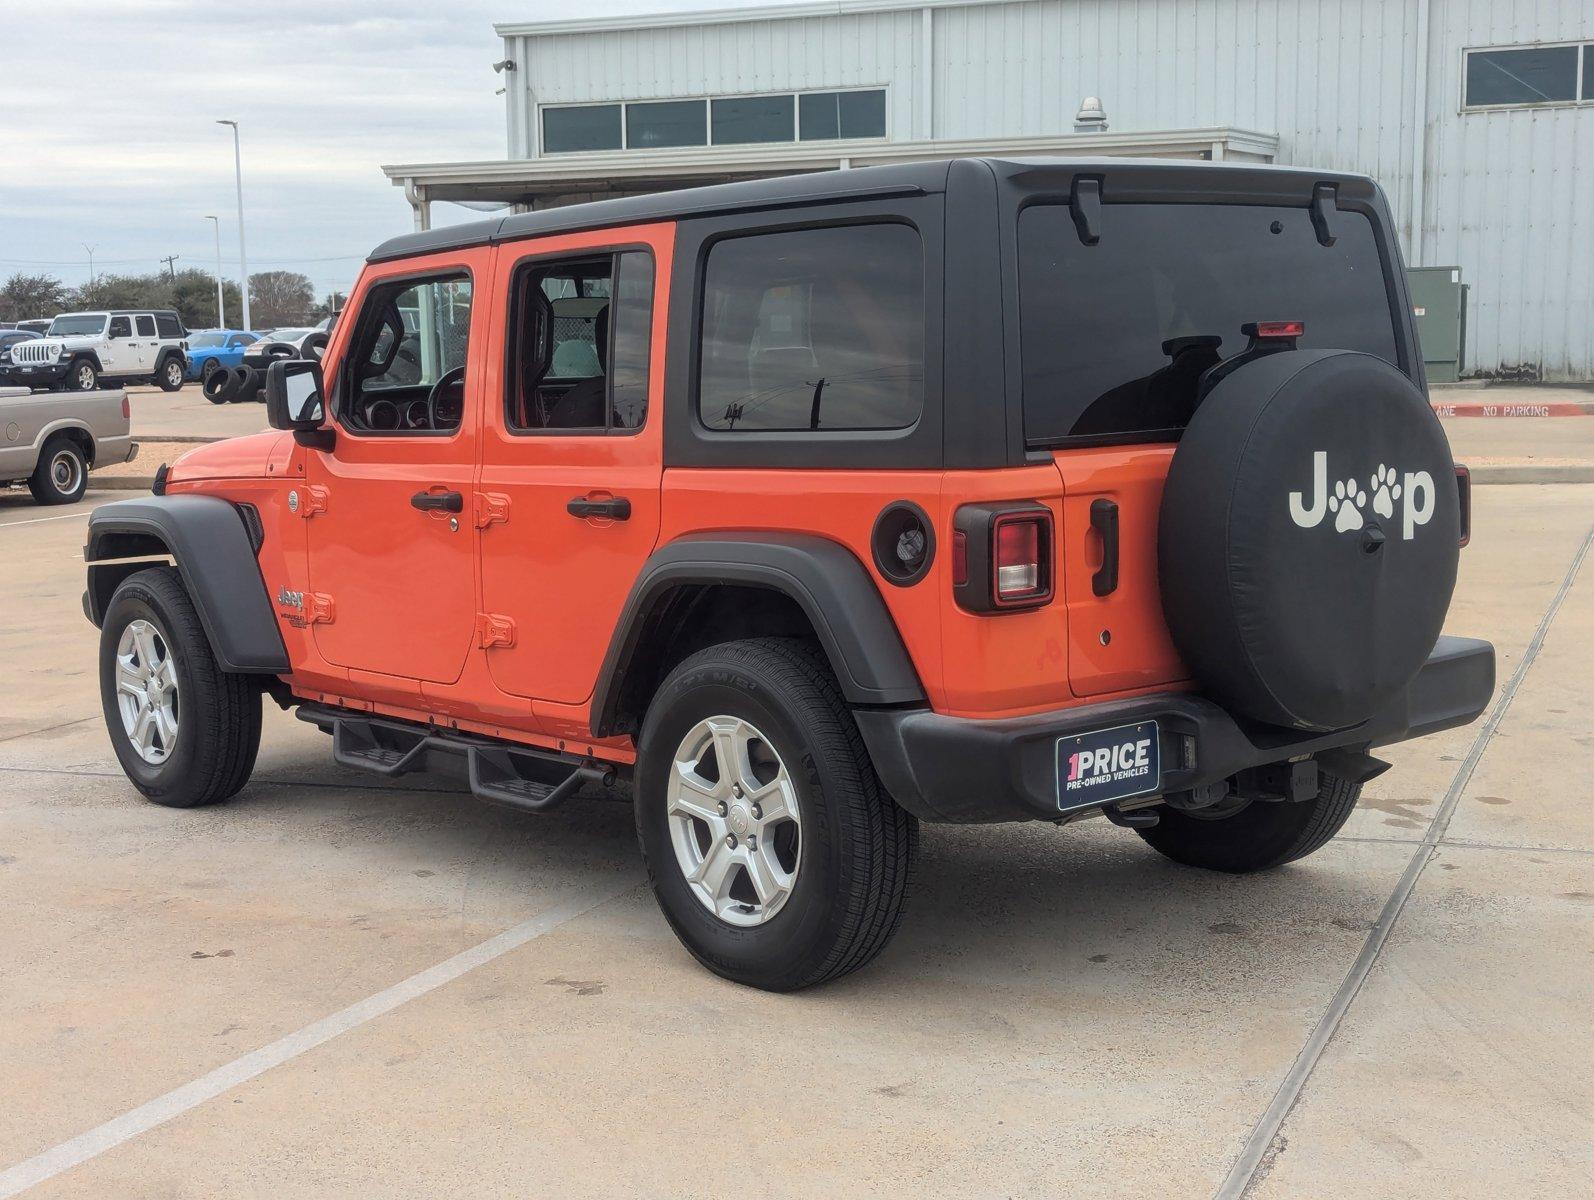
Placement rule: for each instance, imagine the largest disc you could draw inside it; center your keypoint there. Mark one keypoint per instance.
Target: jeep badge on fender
(702, 493)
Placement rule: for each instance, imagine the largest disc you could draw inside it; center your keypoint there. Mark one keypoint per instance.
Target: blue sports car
(214, 349)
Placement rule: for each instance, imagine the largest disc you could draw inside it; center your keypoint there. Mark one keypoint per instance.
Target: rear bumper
(968, 771)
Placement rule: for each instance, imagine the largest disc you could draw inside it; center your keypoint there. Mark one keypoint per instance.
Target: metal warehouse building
(1477, 116)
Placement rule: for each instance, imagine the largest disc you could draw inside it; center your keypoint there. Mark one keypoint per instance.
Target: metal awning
(570, 178)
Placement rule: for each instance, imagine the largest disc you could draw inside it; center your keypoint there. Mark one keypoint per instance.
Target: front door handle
(616, 509)
(438, 502)
(1104, 520)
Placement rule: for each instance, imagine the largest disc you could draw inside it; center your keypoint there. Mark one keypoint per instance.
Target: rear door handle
(438, 502)
(616, 509)
(1104, 520)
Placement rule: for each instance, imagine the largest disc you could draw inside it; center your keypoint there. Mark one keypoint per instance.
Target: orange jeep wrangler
(816, 507)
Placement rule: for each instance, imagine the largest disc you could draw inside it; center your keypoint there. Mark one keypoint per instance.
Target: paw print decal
(1346, 505)
(1386, 490)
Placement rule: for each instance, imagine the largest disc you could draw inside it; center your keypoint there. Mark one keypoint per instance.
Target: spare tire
(1309, 538)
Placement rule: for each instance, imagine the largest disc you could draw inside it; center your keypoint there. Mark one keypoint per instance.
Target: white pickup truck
(52, 440)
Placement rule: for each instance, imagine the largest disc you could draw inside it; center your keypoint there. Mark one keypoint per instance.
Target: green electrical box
(1439, 306)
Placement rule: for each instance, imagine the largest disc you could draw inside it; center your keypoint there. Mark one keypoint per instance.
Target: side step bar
(499, 772)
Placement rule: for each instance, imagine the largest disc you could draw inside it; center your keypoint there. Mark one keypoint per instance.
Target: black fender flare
(215, 555)
(171, 352)
(91, 355)
(826, 580)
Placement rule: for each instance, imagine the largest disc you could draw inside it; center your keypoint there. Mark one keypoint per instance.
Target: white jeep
(84, 349)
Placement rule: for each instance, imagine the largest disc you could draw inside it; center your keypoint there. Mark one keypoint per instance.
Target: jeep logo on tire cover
(1348, 500)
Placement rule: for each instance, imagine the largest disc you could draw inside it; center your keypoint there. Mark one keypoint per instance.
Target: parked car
(9, 338)
(210, 350)
(973, 491)
(82, 350)
(59, 439)
(38, 325)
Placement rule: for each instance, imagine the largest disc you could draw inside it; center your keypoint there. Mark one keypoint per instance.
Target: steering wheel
(445, 380)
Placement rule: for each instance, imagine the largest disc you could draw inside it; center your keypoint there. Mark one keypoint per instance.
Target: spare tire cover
(1309, 538)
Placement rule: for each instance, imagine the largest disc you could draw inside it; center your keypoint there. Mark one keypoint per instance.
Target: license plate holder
(1104, 766)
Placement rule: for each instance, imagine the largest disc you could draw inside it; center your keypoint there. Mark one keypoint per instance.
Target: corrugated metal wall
(1336, 79)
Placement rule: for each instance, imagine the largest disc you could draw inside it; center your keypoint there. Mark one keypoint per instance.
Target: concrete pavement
(1064, 1013)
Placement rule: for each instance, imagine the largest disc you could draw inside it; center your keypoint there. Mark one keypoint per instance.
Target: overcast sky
(108, 134)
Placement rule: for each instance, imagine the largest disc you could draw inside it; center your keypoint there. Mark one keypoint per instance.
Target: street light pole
(91, 250)
(221, 308)
(243, 258)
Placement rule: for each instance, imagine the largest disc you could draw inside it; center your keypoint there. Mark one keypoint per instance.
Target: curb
(1531, 473)
(1476, 408)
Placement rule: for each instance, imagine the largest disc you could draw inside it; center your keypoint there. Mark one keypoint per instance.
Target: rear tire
(153, 636)
(842, 876)
(62, 472)
(1259, 836)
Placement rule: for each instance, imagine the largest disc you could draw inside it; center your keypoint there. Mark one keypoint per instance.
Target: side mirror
(293, 394)
(294, 401)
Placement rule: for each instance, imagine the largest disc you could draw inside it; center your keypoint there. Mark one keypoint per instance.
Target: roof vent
(1091, 117)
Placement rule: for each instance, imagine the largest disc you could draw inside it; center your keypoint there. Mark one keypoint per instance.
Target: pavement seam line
(1245, 1170)
(77, 1150)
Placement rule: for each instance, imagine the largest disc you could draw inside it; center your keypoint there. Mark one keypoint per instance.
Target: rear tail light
(1018, 559)
(1464, 496)
(127, 409)
(1280, 329)
(1002, 556)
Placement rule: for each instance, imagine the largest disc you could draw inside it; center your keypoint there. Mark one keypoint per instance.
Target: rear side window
(1116, 336)
(169, 325)
(580, 330)
(814, 329)
(146, 326)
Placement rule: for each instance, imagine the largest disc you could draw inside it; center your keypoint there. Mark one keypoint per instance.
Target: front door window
(406, 370)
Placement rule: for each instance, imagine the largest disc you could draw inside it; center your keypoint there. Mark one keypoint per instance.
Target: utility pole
(221, 315)
(243, 258)
(171, 271)
(91, 250)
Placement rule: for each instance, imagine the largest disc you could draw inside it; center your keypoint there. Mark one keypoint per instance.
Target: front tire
(824, 892)
(62, 472)
(82, 376)
(1258, 835)
(185, 731)
(170, 375)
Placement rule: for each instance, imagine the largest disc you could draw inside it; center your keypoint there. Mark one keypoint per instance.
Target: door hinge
(317, 608)
(308, 500)
(493, 629)
(491, 508)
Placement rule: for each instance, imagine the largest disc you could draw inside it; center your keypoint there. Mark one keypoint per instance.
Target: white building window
(1528, 76)
(848, 114)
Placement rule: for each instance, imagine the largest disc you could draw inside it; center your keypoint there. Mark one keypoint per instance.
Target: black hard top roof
(820, 187)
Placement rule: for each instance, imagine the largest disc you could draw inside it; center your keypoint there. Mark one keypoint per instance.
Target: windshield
(198, 341)
(1116, 336)
(76, 323)
(288, 335)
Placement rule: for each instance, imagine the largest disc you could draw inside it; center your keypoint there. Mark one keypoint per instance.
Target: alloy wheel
(146, 691)
(735, 822)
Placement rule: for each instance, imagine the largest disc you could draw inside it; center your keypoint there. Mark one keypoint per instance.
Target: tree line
(276, 298)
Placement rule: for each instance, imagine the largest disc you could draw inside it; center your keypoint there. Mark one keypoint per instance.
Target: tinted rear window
(1116, 336)
(816, 329)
